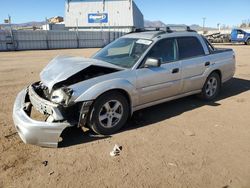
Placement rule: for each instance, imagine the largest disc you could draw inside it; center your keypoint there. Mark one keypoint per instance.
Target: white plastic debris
(116, 151)
(93, 135)
(172, 164)
(189, 133)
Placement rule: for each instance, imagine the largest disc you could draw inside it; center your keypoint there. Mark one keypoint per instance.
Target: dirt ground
(183, 143)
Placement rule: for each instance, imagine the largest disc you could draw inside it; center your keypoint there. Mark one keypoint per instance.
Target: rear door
(194, 63)
(155, 83)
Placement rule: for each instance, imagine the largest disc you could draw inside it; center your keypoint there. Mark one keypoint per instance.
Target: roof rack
(168, 29)
(177, 28)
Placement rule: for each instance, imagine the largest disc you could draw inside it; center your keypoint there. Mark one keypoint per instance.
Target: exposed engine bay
(86, 74)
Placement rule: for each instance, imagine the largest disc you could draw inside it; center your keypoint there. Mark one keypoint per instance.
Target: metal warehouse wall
(138, 17)
(38, 40)
(121, 13)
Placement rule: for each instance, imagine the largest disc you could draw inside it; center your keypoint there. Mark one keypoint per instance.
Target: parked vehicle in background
(218, 38)
(137, 71)
(238, 35)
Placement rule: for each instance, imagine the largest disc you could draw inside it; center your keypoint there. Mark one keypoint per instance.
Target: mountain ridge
(147, 23)
(159, 23)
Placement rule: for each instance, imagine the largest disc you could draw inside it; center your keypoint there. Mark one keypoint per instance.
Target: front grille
(42, 105)
(41, 90)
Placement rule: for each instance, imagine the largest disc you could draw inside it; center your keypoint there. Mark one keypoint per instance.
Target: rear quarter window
(189, 47)
(209, 45)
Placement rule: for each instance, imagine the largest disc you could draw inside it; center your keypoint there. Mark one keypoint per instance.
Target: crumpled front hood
(63, 67)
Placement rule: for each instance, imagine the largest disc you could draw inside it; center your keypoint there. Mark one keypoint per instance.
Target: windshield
(124, 52)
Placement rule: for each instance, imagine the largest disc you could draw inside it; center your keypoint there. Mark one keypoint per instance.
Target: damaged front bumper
(34, 132)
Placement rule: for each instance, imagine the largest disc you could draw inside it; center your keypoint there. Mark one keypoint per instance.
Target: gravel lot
(183, 143)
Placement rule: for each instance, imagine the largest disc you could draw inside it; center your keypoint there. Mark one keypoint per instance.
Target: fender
(203, 77)
(225, 73)
(98, 89)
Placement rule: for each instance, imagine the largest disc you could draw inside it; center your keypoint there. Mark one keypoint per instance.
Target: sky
(225, 12)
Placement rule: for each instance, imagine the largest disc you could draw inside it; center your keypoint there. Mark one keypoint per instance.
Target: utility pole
(11, 32)
(77, 32)
(9, 21)
(47, 38)
(218, 26)
(46, 23)
(103, 8)
(204, 22)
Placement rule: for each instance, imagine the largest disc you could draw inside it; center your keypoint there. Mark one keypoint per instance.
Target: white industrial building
(111, 15)
(54, 26)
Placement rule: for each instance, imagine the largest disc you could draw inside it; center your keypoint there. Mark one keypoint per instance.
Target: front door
(156, 83)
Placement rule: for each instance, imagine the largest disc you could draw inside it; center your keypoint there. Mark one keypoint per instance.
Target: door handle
(207, 64)
(176, 70)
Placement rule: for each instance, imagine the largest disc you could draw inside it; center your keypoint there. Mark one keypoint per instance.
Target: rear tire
(212, 87)
(109, 113)
(248, 42)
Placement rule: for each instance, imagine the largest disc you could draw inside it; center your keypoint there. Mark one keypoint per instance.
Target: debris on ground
(45, 163)
(189, 133)
(172, 164)
(10, 135)
(94, 135)
(52, 172)
(125, 175)
(116, 151)
(241, 100)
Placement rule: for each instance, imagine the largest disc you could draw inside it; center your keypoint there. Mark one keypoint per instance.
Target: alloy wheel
(110, 114)
(211, 86)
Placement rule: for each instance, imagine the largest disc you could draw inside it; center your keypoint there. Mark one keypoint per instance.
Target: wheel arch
(202, 94)
(123, 92)
(218, 72)
(122, 86)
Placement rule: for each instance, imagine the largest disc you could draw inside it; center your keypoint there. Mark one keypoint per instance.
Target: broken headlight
(61, 96)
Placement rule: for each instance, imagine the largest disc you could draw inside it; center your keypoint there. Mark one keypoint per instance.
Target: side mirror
(152, 62)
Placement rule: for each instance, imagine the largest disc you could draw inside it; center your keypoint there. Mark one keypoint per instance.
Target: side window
(209, 45)
(239, 32)
(165, 50)
(189, 47)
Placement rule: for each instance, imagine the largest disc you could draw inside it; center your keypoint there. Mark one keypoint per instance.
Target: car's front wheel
(109, 113)
(211, 87)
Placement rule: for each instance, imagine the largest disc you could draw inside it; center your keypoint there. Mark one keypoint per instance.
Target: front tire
(109, 113)
(211, 88)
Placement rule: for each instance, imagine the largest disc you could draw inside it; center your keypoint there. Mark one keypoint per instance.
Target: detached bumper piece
(34, 132)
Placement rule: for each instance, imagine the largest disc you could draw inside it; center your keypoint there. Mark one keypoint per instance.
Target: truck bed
(221, 50)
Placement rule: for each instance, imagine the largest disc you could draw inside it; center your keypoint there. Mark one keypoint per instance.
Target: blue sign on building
(98, 18)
